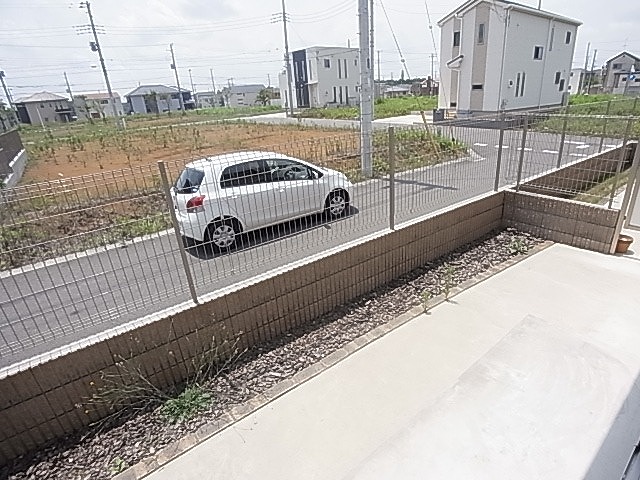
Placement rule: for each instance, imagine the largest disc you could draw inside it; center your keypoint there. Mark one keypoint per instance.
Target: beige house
(96, 105)
(44, 107)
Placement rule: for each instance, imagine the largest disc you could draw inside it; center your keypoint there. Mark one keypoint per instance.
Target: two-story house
(323, 76)
(499, 55)
(158, 99)
(43, 107)
(622, 74)
(96, 105)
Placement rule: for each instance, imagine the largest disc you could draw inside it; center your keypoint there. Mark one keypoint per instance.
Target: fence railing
(81, 255)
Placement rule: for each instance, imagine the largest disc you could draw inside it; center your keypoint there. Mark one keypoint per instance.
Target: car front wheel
(337, 203)
(221, 235)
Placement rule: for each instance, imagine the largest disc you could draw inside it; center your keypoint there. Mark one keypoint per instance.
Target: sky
(242, 40)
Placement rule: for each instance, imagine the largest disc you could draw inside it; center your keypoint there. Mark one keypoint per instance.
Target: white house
(622, 74)
(96, 105)
(498, 55)
(207, 99)
(322, 76)
(243, 95)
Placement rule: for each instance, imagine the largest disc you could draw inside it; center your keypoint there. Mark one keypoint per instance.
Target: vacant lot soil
(96, 151)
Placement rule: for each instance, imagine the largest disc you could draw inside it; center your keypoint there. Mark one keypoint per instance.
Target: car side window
(284, 170)
(242, 174)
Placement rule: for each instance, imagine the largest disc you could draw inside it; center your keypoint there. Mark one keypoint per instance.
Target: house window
(453, 104)
(345, 68)
(355, 62)
(476, 86)
(456, 39)
(481, 34)
(567, 38)
(617, 66)
(561, 87)
(557, 80)
(537, 53)
(339, 69)
(520, 78)
(327, 63)
(42, 105)
(553, 31)
(335, 95)
(346, 92)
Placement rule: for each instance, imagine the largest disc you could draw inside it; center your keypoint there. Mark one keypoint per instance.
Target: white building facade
(498, 55)
(322, 76)
(96, 105)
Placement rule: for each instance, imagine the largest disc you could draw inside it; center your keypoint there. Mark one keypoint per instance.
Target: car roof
(235, 157)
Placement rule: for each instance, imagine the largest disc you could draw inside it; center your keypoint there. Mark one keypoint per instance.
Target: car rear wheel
(337, 203)
(221, 235)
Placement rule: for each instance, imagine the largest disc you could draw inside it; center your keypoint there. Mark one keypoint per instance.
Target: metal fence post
(623, 151)
(604, 127)
(176, 230)
(500, 142)
(632, 188)
(522, 146)
(392, 178)
(562, 137)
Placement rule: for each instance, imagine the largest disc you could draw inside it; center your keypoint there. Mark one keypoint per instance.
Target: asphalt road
(51, 306)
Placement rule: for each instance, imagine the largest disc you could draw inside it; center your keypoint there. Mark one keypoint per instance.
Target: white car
(217, 198)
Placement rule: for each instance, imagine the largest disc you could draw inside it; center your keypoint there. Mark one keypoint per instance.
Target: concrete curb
(186, 443)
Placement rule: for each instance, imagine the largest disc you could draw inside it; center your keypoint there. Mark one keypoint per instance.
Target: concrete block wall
(565, 221)
(48, 400)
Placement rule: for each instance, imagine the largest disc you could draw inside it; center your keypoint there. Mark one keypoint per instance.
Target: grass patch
(187, 404)
(383, 108)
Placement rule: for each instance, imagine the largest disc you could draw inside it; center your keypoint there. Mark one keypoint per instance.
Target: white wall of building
(507, 59)
(333, 77)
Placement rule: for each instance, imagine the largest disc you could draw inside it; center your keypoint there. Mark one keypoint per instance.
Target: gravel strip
(101, 454)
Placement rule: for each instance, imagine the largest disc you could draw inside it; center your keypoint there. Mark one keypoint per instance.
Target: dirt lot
(96, 150)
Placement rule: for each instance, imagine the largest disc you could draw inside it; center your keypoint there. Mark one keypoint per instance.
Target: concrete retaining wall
(44, 401)
(577, 224)
(580, 175)
(16, 168)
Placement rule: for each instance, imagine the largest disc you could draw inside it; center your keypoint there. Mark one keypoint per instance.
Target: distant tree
(264, 96)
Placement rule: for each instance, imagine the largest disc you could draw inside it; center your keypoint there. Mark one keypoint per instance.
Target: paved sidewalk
(519, 377)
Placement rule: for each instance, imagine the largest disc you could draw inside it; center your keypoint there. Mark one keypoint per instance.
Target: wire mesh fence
(80, 255)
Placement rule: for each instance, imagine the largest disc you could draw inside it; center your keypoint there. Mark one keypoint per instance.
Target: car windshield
(189, 180)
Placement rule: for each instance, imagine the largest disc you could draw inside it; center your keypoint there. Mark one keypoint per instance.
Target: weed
(192, 400)
(118, 465)
(517, 246)
(449, 282)
(425, 298)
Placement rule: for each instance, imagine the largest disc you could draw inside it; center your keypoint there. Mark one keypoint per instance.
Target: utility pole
(174, 67)
(193, 89)
(372, 55)
(287, 59)
(593, 65)
(433, 56)
(6, 90)
(586, 65)
(366, 111)
(95, 47)
(213, 82)
(379, 79)
(268, 79)
(66, 80)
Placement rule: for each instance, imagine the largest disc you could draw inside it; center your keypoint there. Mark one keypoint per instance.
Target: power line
(395, 39)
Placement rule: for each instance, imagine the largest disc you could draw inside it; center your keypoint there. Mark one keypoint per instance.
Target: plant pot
(624, 241)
